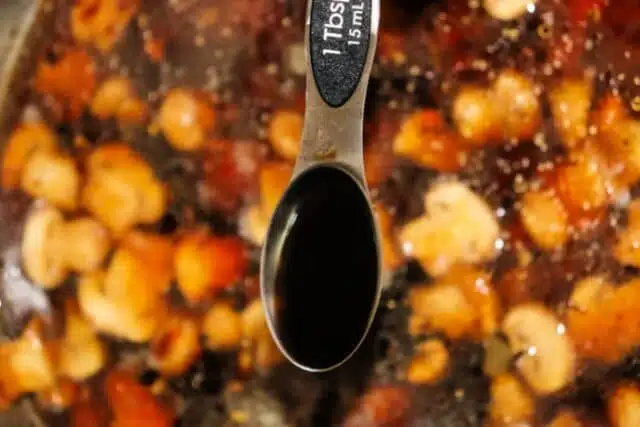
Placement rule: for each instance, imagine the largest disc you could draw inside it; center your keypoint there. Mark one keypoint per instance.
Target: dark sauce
(327, 277)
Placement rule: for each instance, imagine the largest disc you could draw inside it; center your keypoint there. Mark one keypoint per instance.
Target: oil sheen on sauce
(327, 275)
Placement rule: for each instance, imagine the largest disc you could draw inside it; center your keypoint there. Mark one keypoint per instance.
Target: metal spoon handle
(341, 38)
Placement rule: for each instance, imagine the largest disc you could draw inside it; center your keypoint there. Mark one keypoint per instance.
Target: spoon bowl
(321, 268)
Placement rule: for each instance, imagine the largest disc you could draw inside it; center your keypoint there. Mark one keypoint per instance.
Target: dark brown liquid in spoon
(326, 282)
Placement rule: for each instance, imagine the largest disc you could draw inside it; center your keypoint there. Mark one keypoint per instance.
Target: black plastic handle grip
(339, 37)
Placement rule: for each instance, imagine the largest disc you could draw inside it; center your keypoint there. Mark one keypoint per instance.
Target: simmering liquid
(327, 276)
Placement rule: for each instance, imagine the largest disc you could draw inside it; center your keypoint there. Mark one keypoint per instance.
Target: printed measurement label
(339, 42)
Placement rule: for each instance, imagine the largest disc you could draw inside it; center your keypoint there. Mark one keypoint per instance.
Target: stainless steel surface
(332, 136)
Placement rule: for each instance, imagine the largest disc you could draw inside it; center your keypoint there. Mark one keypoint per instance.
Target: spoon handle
(341, 40)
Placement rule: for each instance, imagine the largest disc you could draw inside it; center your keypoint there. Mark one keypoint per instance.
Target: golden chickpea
(570, 103)
(459, 227)
(53, 177)
(110, 96)
(507, 10)
(430, 363)
(624, 406)
(478, 290)
(551, 366)
(176, 346)
(595, 306)
(42, 259)
(86, 244)
(23, 143)
(29, 363)
(511, 404)
(582, 185)
(185, 120)
(442, 307)
(140, 272)
(114, 318)
(121, 189)
(545, 219)
(423, 139)
(475, 115)
(515, 97)
(206, 264)
(285, 133)
(222, 327)
(81, 353)
(116, 98)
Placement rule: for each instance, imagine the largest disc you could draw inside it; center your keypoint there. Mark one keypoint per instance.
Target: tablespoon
(321, 262)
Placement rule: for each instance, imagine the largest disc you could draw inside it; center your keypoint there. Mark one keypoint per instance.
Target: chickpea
(110, 317)
(222, 327)
(28, 363)
(475, 115)
(478, 291)
(24, 142)
(442, 307)
(430, 364)
(285, 133)
(121, 189)
(116, 98)
(520, 111)
(462, 303)
(511, 404)
(185, 120)
(458, 228)
(41, 258)
(423, 139)
(547, 360)
(206, 264)
(101, 22)
(582, 187)
(507, 10)
(570, 103)
(545, 219)
(597, 306)
(110, 96)
(624, 406)
(86, 244)
(140, 271)
(176, 346)
(274, 178)
(53, 177)
(81, 353)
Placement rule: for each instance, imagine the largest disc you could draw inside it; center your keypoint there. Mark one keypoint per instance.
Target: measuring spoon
(321, 262)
